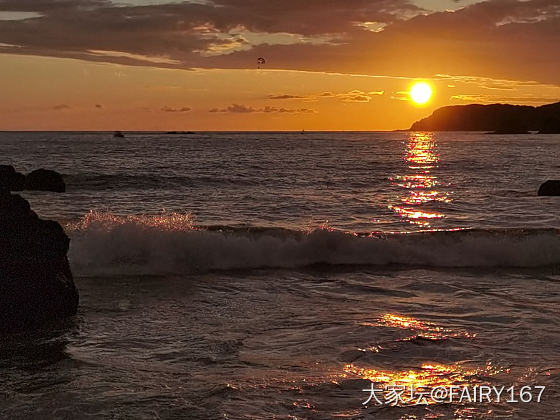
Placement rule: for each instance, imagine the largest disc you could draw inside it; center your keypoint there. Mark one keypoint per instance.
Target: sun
(420, 92)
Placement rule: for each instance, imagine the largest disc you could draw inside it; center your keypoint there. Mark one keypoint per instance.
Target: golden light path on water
(428, 374)
(414, 379)
(421, 187)
(423, 329)
(423, 377)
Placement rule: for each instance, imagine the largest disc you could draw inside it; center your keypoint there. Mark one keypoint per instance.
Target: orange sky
(163, 65)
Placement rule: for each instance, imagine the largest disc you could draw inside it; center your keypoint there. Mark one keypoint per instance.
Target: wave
(171, 243)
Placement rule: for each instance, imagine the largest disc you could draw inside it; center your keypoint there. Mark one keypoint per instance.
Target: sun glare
(420, 93)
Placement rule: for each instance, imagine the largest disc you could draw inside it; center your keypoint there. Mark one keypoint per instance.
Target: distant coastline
(494, 118)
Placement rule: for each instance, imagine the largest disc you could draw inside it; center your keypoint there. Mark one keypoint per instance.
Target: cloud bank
(509, 39)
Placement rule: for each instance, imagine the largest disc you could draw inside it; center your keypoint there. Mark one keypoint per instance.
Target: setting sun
(420, 92)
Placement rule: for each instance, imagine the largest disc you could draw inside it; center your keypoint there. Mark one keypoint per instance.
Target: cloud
(183, 34)
(171, 109)
(490, 83)
(505, 99)
(351, 96)
(357, 96)
(235, 108)
(61, 107)
(243, 109)
(136, 57)
(401, 96)
(501, 90)
(285, 96)
(498, 38)
(98, 106)
(17, 15)
(428, 45)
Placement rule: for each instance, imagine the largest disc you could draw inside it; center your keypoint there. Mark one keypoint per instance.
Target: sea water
(278, 275)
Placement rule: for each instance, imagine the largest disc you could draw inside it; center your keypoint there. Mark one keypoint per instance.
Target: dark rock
(550, 187)
(36, 284)
(10, 179)
(180, 132)
(45, 180)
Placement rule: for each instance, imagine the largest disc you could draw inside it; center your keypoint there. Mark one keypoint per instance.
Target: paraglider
(261, 62)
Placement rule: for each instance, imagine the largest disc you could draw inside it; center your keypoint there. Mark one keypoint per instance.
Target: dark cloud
(474, 40)
(51, 5)
(185, 31)
(98, 106)
(171, 109)
(497, 38)
(243, 109)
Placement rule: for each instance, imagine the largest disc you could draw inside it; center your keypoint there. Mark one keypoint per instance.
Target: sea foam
(171, 243)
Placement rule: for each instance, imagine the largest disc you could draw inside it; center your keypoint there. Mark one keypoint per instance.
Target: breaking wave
(171, 243)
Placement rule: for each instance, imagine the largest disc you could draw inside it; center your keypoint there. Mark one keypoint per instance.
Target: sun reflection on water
(426, 376)
(419, 329)
(310, 391)
(422, 187)
(421, 151)
(423, 374)
(400, 321)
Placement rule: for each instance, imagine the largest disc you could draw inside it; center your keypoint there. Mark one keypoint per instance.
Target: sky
(330, 64)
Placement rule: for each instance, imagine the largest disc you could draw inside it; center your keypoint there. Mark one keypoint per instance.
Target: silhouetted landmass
(496, 118)
(36, 283)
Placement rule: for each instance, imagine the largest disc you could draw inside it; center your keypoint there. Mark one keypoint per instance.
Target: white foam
(103, 244)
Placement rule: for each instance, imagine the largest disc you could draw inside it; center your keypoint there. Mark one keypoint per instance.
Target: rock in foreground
(45, 180)
(36, 284)
(550, 187)
(10, 179)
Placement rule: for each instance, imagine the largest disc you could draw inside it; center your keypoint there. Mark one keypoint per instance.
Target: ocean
(278, 275)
